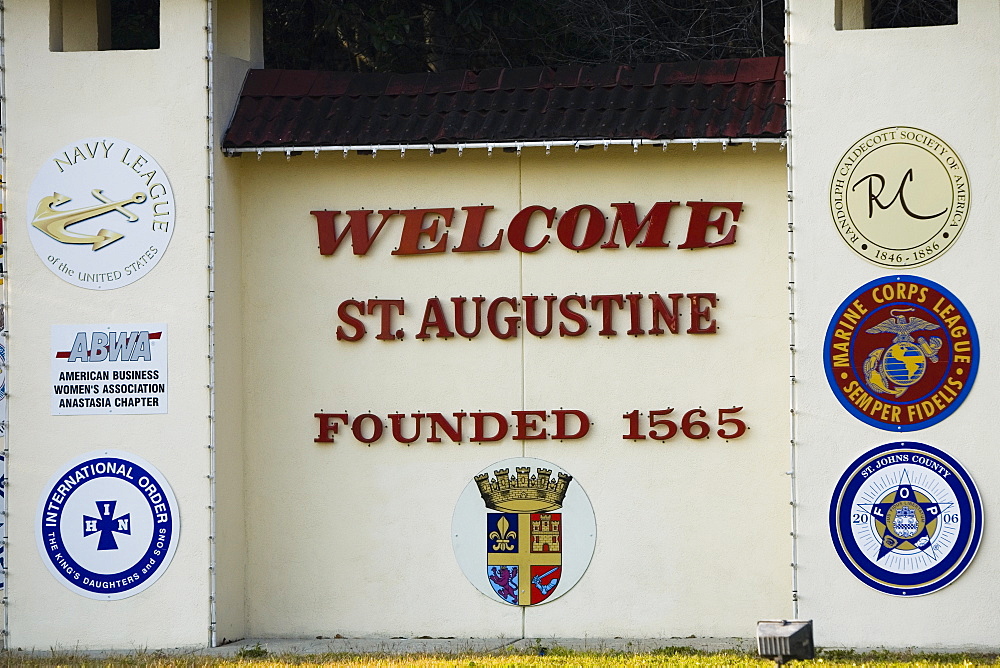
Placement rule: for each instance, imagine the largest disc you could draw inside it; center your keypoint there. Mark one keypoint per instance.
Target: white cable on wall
(793, 484)
(576, 144)
(209, 144)
(4, 332)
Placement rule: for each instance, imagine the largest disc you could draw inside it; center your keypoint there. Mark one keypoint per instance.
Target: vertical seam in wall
(245, 492)
(792, 325)
(237, 172)
(520, 290)
(210, 213)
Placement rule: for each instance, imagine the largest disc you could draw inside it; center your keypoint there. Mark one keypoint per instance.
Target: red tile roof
(739, 98)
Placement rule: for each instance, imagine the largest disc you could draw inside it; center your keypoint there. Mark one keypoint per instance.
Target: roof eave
(517, 145)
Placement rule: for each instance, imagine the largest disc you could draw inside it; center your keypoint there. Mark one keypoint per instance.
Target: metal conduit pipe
(792, 325)
(4, 331)
(210, 213)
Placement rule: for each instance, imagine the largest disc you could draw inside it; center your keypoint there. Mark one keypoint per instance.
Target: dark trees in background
(134, 24)
(436, 35)
(422, 36)
(913, 13)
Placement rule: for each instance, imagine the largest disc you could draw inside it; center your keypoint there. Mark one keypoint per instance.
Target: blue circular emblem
(107, 525)
(906, 519)
(3, 373)
(901, 353)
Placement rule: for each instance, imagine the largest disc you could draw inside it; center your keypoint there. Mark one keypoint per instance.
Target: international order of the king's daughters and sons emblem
(107, 525)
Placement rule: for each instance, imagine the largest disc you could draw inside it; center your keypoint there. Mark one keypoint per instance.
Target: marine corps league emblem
(107, 525)
(900, 197)
(537, 527)
(906, 519)
(101, 213)
(901, 353)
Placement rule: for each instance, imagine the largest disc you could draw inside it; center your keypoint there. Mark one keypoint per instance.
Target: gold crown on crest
(523, 493)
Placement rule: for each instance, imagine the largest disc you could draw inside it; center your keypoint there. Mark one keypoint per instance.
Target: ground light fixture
(783, 640)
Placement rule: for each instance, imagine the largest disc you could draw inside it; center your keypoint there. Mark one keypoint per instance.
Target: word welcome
(430, 231)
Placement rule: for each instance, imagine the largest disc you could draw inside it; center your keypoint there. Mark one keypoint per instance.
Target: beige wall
(238, 47)
(155, 99)
(845, 84)
(319, 539)
(346, 538)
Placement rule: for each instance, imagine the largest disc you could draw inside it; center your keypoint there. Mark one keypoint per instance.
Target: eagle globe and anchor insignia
(901, 353)
(906, 519)
(538, 528)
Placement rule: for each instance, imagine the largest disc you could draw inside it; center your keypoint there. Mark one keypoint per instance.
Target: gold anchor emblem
(54, 222)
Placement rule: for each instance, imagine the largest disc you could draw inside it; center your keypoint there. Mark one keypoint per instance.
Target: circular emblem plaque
(100, 213)
(906, 519)
(900, 197)
(107, 525)
(3, 373)
(523, 531)
(901, 353)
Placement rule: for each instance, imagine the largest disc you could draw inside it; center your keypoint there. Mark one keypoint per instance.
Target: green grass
(554, 657)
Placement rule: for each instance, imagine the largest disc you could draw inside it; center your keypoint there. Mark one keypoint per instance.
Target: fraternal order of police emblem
(524, 532)
(901, 353)
(906, 519)
(900, 197)
(107, 525)
(101, 213)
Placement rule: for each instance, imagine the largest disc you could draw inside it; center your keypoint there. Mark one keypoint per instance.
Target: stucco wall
(845, 84)
(350, 538)
(355, 539)
(156, 100)
(238, 47)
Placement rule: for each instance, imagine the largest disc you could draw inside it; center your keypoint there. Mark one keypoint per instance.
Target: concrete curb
(419, 645)
(481, 645)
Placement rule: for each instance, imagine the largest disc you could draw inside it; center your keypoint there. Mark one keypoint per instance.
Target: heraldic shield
(524, 541)
(524, 555)
(538, 527)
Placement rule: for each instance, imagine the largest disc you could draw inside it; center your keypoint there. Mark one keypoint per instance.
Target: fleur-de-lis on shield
(504, 536)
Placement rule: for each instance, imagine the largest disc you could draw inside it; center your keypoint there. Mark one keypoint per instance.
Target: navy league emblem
(523, 532)
(100, 213)
(107, 525)
(906, 519)
(901, 353)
